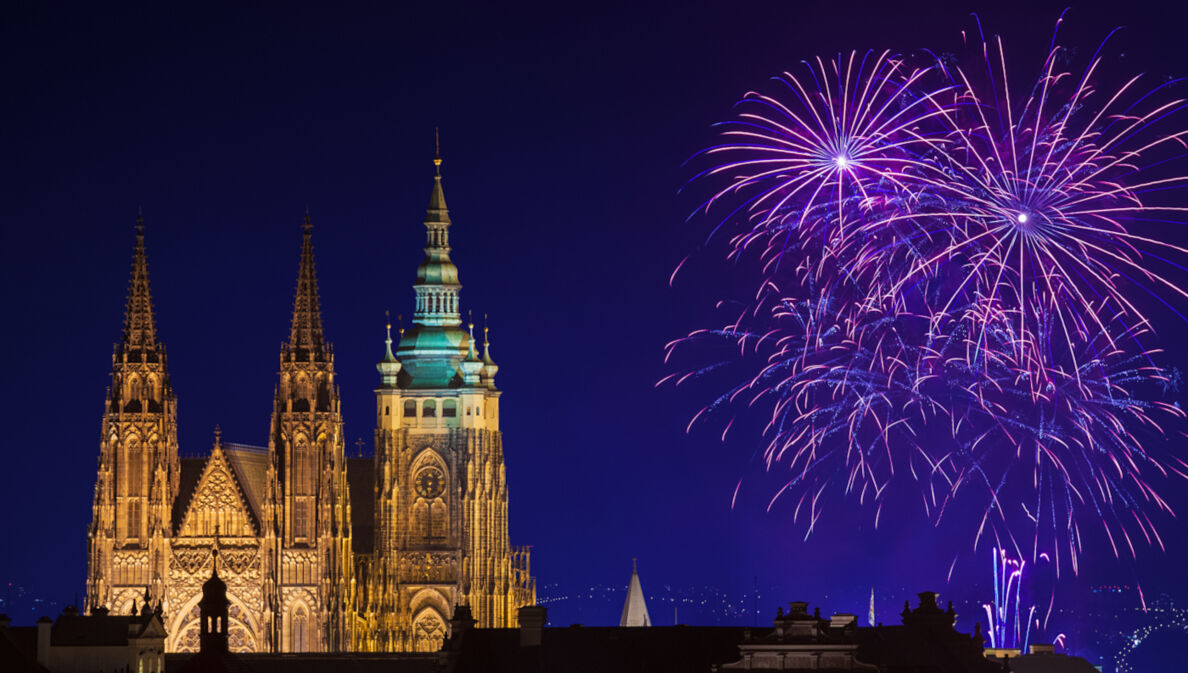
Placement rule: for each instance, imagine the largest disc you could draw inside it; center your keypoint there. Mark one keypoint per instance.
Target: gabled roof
(218, 480)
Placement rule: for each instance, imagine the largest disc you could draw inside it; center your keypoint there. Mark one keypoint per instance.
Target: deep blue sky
(564, 130)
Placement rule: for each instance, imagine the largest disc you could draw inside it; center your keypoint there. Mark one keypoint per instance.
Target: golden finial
(139, 220)
(218, 434)
(437, 149)
(486, 329)
(307, 224)
(388, 319)
(400, 323)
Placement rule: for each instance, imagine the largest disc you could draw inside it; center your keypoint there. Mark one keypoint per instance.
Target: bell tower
(441, 535)
(308, 499)
(138, 462)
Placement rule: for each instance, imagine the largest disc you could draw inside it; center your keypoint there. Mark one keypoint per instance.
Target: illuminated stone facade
(319, 552)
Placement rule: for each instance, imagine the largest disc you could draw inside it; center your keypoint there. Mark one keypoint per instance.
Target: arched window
(302, 392)
(298, 629)
(134, 475)
(449, 409)
(323, 396)
(410, 407)
(438, 521)
(429, 408)
(134, 518)
(421, 519)
(132, 394)
(303, 467)
(428, 631)
(300, 517)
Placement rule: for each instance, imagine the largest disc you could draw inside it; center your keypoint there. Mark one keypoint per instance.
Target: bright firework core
(842, 161)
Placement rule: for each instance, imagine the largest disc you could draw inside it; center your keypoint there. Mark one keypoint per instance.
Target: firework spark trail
(949, 292)
(1012, 622)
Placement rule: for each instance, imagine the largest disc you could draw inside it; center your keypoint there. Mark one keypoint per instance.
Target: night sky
(565, 131)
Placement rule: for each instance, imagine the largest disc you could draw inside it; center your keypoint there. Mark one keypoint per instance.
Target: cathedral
(319, 552)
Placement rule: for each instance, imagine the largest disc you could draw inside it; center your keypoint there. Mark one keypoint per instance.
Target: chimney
(842, 620)
(1043, 648)
(532, 620)
(43, 640)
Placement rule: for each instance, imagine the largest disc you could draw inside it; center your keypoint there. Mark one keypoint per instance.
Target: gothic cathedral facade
(320, 552)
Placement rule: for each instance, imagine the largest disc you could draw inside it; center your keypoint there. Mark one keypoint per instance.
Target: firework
(948, 296)
(843, 145)
(1042, 208)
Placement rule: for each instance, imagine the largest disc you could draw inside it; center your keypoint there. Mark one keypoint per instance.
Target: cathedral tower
(441, 535)
(308, 497)
(138, 462)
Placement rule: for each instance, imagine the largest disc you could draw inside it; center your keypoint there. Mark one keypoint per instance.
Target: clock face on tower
(430, 482)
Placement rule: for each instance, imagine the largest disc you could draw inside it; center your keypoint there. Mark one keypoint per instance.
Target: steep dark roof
(18, 650)
(353, 662)
(361, 477)
(191, 472)
(1051, 663)
(96, 630)
(250, 464)
(902, 649)
(582, 649)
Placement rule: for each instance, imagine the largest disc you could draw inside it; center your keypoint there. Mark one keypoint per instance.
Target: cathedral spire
(635, 610)
(305, 337)
(140, 328)
(437, 278)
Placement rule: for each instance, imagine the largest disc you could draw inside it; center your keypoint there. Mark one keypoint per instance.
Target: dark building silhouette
(74, 643)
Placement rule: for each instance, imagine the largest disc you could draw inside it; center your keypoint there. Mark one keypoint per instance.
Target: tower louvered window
(134, 518)
(135, 475)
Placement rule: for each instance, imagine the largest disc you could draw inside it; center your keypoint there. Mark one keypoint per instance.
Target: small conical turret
(472, 366)
(389, 367)
(140, 329)
(306, 339)
(490, 369)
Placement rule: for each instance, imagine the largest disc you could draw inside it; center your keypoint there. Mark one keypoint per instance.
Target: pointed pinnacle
(437, 149)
